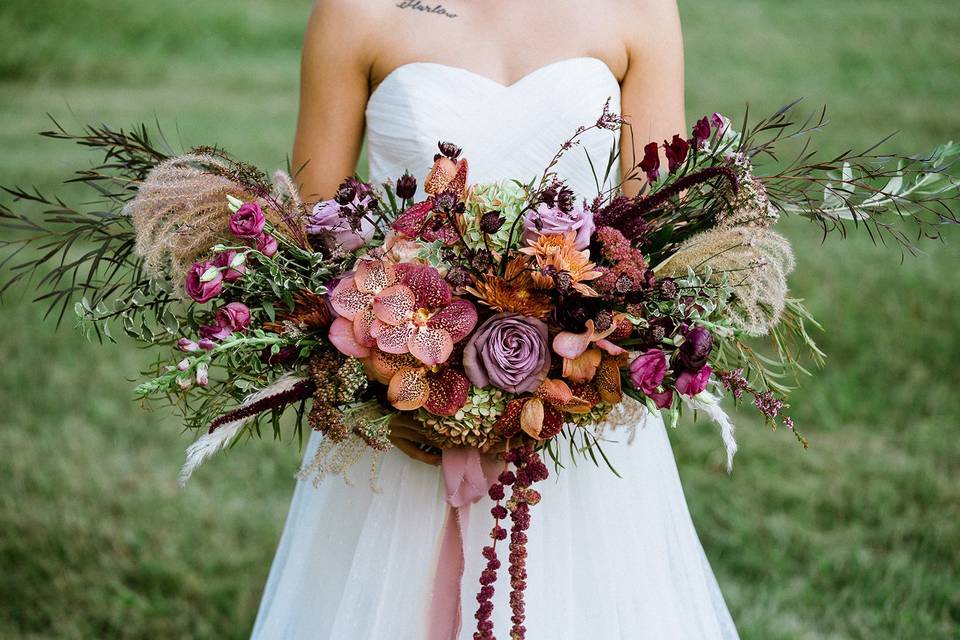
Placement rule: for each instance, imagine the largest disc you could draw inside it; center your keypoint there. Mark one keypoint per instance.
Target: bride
(508, 82)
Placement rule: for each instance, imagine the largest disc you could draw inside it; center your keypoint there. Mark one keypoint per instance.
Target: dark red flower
(676, 151)
(651, 161)
(701, 131)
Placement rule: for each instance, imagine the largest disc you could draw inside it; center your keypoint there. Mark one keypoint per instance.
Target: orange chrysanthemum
(515, 292)
(556, 253)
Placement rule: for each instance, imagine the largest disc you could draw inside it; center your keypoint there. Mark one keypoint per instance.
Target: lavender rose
(547, 220)
(328, 221)
(248, 221)
(267, 244)
(508, 351)
(203, 282)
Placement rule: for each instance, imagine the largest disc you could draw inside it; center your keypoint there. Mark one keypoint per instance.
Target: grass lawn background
(855, 538)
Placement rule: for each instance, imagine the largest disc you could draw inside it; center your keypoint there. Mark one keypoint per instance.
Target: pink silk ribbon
(467, 476)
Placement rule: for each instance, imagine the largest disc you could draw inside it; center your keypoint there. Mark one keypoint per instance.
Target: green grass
(855, 538)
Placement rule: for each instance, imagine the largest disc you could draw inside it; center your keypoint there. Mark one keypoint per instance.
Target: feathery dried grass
(180, 212)
(756, 262)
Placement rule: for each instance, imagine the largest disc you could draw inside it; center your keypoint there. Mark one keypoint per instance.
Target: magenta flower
(329, 222)
(232, 264)
(203, 282)
(662, 399)
(510, 352)
(547, 220)
(266, 244)
(648, 370)
(248, 221)
(691, 383)
(232, 317)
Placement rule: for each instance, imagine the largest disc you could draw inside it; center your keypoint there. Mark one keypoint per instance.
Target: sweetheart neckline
(502, 86)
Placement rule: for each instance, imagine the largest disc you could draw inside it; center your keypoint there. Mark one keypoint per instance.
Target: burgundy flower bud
(450, 150)
(696, 348)
(507, 478)
(701, 131)
(676, 152)
(668, 288)
(491, 222)
(406, 186)
(345, 194)
(650, 164)
(496, 491)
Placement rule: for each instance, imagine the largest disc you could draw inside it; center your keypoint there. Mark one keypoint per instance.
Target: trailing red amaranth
(529, 469)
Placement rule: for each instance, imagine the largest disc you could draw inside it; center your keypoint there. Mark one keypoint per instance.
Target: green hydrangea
(507, 197)
(473, 424)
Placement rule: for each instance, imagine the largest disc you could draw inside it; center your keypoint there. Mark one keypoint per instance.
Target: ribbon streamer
(467, 476)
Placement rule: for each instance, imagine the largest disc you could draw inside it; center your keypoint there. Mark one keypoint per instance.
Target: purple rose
(248, 221)
(648, 370)
(547, 220)
(696, 348)
(328, 222)
(267, 244)
(232, 267)
(232, 317)
(691, 383)
(508, 351)
(203, 282)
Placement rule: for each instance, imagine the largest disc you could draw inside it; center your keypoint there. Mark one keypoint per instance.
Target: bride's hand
(405, 435)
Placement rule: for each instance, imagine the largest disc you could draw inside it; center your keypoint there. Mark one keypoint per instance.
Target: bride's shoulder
(347, 18)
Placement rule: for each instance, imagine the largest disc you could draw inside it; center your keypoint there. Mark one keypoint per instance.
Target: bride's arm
(334, 86)
(652, 88)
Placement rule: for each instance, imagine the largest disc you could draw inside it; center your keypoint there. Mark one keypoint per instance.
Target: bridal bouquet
(498, 322)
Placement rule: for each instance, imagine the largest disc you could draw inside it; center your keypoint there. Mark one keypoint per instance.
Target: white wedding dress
(609, 557)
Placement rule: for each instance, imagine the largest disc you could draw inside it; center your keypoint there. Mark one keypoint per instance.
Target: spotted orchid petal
(508, 424)
(552, 423)
(431, 290)
(447, 175)
(373, 276)
(408, 388)
(394, 305)
(342, 337)
(608, 381)
(448, 392)
(410, 222)
(347, 301)
(384, 365)
(430, 345)
(558, 394)
(458, 319)
(362, 323)
(571, 345)
(393, 339)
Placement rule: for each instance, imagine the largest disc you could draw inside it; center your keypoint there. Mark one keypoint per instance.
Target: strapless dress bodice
(506, 131)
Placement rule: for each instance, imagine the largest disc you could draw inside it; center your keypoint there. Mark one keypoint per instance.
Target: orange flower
(557, 254)
(540, 416)
(584, 352)
(515, 292)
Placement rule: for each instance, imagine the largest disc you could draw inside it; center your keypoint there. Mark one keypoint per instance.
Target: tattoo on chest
(416, 5)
